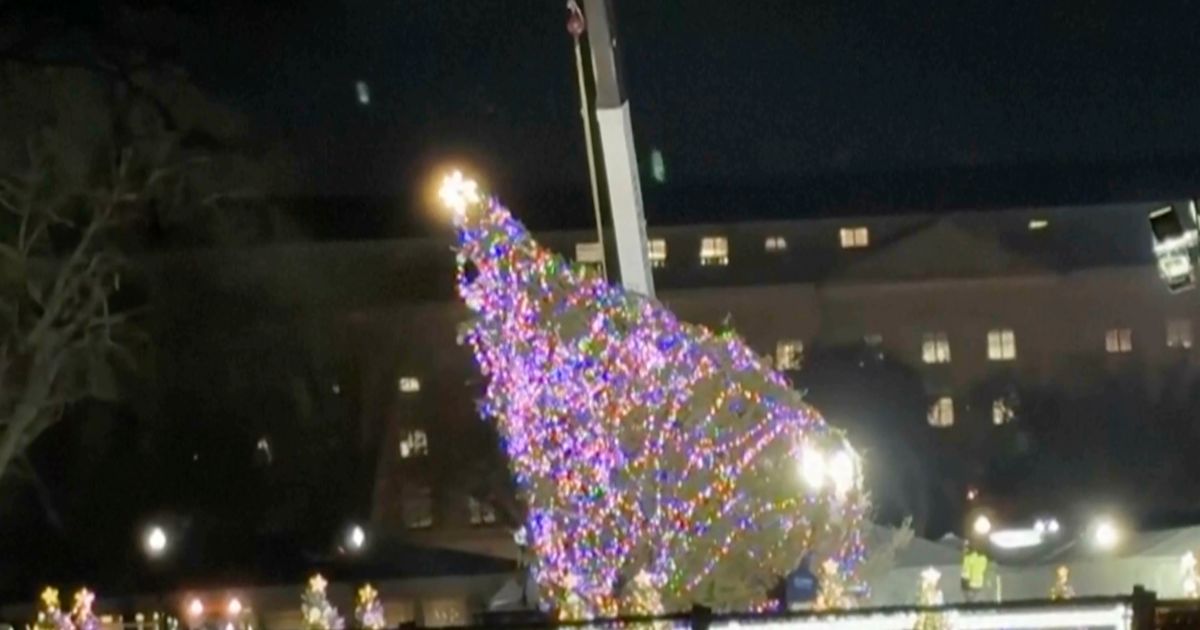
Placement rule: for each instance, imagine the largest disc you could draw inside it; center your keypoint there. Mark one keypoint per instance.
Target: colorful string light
(642, 445)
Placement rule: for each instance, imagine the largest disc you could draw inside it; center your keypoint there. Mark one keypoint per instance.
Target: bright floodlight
(841, 471)
(982, 525)
(458, 192)
(156, 541)
(357, 538)
(1052, 526)
(812, 467)
(1016, 538)
(1105, 534)
(234, 608)
(195, 607)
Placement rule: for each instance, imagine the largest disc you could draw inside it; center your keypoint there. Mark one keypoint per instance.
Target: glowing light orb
(1105, 535)
(156, 541)
(812, 468)
(459, 192)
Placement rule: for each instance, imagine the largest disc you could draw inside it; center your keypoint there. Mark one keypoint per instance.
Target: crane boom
(618, 150)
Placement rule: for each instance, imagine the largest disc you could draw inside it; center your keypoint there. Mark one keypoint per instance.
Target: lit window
(1038, 224)
(409, 384)
(714, 251)
(775, 244)
(417, 505)
(935, 348)
(941, 412)
(789, 354)
(1179, 333)
(589, 253)
(482, 512)
(414, 444)
(1118, 340)
(657, 252)
(1002, 412)
(854, 237)
(1002, 345)
(873, 340)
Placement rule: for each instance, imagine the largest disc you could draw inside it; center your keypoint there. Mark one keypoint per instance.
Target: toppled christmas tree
(315, 608)
(642, 444)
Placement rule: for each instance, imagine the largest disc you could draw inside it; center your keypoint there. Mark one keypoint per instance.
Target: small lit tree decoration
(368, 611)
(1062, 584)
(832, 592)
(50, 613)
(641, 443)
(81, 614)
(318, 613)
(1190, 578)
(643, 598)
(572, 606)
(930, 595)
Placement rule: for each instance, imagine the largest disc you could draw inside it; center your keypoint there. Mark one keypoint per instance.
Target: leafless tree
(86, 165)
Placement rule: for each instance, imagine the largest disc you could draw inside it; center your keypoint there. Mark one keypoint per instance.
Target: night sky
(752, 92)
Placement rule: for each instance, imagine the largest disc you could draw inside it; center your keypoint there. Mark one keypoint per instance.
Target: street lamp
(982, 525)
(356, 538)
(156, 541)
(1106, 535)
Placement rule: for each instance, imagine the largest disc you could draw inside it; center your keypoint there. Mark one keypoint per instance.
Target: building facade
(987, 313)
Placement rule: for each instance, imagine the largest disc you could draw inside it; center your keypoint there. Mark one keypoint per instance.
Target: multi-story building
(953, 346)
(989, 314)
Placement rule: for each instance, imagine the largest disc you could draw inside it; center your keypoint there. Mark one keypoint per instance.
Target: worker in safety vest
(974, 572)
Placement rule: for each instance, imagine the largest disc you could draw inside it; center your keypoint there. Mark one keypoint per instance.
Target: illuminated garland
(643, 445)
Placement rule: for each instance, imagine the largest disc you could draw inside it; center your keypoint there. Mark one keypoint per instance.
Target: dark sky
(732, 92)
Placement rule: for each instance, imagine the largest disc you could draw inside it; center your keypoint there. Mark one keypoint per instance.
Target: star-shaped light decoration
(317, 584)
(643, 579)
(50, 598)
(459, 192)
(931, 575)
(367, 593)
(830, 566)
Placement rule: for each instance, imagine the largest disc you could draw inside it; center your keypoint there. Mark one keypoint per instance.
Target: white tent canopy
(1150, 559)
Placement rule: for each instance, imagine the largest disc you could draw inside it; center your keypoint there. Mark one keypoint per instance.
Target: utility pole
(620, 155)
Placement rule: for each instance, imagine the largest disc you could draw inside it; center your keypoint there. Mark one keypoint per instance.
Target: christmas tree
(1062, 588)
(318, 613)
(640, 443)
(832, 592)
(930, 595)
(368, 611)
(50, 613)
(81, 614)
